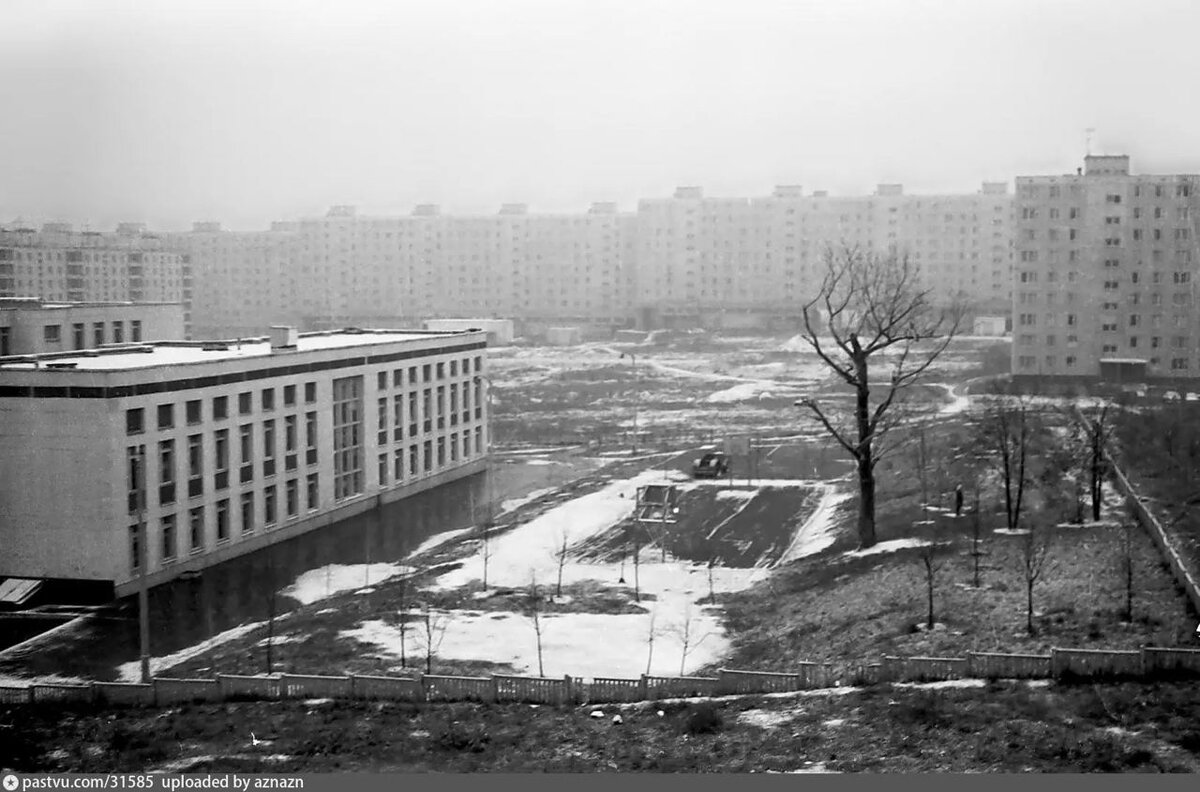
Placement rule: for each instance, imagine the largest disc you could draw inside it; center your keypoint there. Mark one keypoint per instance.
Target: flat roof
(172, 353)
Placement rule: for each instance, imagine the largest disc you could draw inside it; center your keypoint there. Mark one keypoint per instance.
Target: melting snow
(437, 540)
(132, 671)
(512, 504)
(817, 532)
(317, 584)
(888, 547)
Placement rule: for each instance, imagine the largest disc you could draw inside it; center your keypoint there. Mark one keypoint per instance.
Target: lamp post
(143, 592)
(633, 357)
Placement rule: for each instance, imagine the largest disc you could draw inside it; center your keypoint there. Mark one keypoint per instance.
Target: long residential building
(1105, 276)
(223, 448)
(31, 326)
(59, 264)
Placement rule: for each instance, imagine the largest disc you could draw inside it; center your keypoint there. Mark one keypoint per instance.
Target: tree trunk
(1029, 604)
(929, 581)
(866, 508)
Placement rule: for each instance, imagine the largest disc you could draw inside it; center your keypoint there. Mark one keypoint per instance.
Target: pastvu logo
(11, 782)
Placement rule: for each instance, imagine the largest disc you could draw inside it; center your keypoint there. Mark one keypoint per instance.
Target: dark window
(244, 403)
(98, 330)
(310, 392)
(168, 537)
(313, 492)
(268, 399)
(247, 512)
(222, 521)
(196, 523)
(289, 395)
(381, 380)
(79, 332)
(135, 421)
(166, 416)
(135, 330)
(220, 407)
(193, 412)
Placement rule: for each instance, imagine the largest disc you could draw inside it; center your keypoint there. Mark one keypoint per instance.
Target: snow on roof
(153, 354)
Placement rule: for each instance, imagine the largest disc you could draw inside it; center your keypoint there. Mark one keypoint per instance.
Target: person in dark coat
(958, 500)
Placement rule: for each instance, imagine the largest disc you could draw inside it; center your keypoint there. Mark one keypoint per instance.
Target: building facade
(60, 264)
(1105, 276)
(29, 326)
(218, 449)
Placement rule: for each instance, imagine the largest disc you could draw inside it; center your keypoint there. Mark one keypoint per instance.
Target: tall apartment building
(1105, 276)
(223, 448)
(29, 326)
(60, 264)
(699, 257)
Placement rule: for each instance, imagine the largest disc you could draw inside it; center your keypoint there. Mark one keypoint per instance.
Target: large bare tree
(872, 312)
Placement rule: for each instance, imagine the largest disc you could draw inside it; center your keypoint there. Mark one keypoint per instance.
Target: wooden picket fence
(1064, 665)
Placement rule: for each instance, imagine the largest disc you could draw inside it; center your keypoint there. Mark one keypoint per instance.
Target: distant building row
(687, 259)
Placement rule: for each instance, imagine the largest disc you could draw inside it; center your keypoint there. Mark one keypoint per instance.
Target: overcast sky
(169, 111)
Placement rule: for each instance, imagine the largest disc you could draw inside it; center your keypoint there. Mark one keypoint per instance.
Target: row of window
(1030, 362)
(52, 333)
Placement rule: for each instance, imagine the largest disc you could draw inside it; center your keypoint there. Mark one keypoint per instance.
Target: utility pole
(143, 556)
(491, 495)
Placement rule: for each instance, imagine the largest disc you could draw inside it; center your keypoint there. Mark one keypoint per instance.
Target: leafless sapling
(532, 609)
(867, 307)
(431, 632)
(932, 557)
(560, 556)
(685, 631)
(1035, 549)
(1128, 545)
(650, 633)
(1006, 431)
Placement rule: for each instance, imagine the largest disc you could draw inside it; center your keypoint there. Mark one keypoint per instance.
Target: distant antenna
(1090, 131)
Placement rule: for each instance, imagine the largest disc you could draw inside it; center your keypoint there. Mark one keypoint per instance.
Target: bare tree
(402, 596)
(532, 609)
(685, 631)
(931, 556)
(977, 551)
(1035, 548)
(1097, 427)
(1126, 565)
(868, 307)
(650, 633)
(637, 552)
(560, 555)
(712, 562)
(1007, 431)
(430, 632)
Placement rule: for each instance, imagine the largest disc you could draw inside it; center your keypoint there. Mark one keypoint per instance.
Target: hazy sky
(169, 111)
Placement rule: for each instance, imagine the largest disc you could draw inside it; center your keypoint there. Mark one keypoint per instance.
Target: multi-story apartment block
(30, 326)
(57, 263)
(1105, 276)
(223, 448)
(700, 257)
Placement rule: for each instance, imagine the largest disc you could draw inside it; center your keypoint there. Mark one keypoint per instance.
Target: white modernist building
(214, 449)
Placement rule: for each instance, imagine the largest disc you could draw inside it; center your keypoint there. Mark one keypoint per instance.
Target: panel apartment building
(218, 449)
(1105, 280)
(345, 269)
(709, 261)
(57, 263)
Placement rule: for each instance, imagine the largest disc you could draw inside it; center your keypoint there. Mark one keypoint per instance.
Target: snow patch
(944, 684)
(737, 494)
(817, 533)
(317, 584)
(437, 540)
(512, 504)
(766, 719)
(890, 546)
(744, 392)
(132, 671)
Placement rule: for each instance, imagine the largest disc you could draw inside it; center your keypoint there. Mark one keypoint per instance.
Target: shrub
(704, 719)
(458, 737)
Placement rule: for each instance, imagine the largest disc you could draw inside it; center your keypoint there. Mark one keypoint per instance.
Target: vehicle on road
(714, 464)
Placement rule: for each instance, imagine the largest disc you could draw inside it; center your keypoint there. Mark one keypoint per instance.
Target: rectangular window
(135, 421)
(289, 442)
(246, 450)
(220, 408)
(398, 417)
(268, 399)
(166, 471)
(193, 412)
(245, 406)
(412, 414)
(310, 438)
(453, 368)
(135, 548)
(222, 521)
(289, 395)
(466, 449)
(221, 458)
(383, 469)
(118, 332)
(441, 453)
(196, 526)
(397, 378)
(293, 498)
(441, 371)
(398, 465)
(426, 371)
(269, 506)
(52, 334)
(441, 407)
(413, 460)
(166, 416)
(381, 380)
(247, 513)
(168, 537)
(135, 481)
(454, 405)
(478, 440)
(313, 492)
(135, 330)
(98, 333)
(412, 376)
(427, 410)
(195, 466)
(310, 392)
(428, 456)
(454, 446)
(382, 433)
(347, 437)
(268, 448)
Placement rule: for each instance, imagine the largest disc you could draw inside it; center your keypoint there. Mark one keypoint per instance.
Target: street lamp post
(636, 397)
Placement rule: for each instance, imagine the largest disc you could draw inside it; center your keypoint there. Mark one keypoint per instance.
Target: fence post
(568, 691)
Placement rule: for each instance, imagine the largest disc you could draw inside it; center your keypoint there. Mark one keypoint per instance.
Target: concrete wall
(159, 322)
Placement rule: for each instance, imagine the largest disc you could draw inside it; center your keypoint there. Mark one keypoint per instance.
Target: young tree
(1035, 548)
(560, 555)
(1007, 431)
(866, 308)
(402, 601)
(650, 633)
(932, 558)
(977, 551)
(532, 609)
(685, 631)
(430, 632)
(1128, 544)
(1097, 426)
